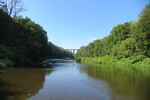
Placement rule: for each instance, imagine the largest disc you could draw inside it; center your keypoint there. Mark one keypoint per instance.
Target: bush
(99, 60)
(146, 61)
(107, 59)
(132, 59)
(7, 62)
(78, 60)
(5, 52)
(2, 65)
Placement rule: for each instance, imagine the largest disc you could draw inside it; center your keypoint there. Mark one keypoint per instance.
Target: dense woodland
(24, 41)
(129, 41)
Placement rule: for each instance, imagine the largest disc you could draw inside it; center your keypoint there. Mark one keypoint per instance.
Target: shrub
(132, 59)
(107, 59)
(2, 65)
(146, 61)
(6, 62)
(5, 52)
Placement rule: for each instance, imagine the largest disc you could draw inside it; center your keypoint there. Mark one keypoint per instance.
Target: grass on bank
(139, 60)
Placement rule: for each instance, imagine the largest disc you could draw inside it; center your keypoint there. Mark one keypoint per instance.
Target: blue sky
(74, 23)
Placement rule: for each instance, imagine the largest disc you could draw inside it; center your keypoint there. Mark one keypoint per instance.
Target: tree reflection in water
(21, 83)
(127, 81)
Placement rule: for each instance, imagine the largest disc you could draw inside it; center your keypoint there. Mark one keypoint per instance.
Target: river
(68, 80)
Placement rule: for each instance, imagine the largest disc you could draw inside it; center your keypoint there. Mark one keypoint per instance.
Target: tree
(142, 32)
(126, 40)
(3, 6)
(12, 7)
(120, 32)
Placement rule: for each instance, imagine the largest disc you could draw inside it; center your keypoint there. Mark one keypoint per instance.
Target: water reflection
(71, 81)
(126, 83)
(21, 83)
(68, 83)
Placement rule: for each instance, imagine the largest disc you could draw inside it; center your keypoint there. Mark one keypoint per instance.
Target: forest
(24, 41)
(127, 43)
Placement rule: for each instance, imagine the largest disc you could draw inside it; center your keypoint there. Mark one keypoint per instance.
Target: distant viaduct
(73, 51)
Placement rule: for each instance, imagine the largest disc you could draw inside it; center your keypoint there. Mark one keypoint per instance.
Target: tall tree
(12, 7)
(126, 40)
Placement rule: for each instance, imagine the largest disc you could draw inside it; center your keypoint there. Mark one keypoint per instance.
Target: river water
(68, 80)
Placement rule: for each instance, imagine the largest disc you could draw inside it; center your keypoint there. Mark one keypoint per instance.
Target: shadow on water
(21, 83)
(131, 82)
(6, 94)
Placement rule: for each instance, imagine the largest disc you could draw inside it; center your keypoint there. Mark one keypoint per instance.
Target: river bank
(6, 63)
(134, 60)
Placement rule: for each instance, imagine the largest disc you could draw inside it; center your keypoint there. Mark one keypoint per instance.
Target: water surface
(67, 80)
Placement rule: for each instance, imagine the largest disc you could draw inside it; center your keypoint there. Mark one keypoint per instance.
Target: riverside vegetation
(24, 41)
(128, 43)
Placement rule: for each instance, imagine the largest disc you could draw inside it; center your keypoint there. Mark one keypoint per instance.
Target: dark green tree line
(24, 41)
(126, 40)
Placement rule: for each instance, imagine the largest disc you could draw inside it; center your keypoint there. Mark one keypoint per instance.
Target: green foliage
(78, 60)
(24, 41)
(107, 59)
(88, 60)
(137, 60)
(142, 30)
(98, 60)
(120, 32)
(2, 65)
(5, 52)
(146, 61)
(126, 49)
(127, 42)
(7, 62)
(58, 52)
(132, 59)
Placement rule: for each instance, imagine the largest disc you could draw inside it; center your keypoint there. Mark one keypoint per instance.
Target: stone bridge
(73, 51)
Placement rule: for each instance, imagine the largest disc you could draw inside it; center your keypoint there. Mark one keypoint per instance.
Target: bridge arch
(73, 51)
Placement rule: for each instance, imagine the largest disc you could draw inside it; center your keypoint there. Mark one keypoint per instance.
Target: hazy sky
(74, 23)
